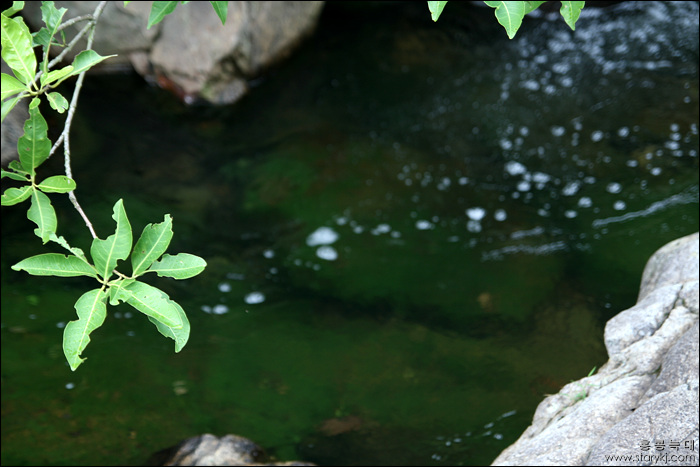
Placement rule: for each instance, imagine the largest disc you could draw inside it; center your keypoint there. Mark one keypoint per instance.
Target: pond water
(414, 231)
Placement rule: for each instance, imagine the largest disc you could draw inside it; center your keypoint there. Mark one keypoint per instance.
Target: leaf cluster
(510, 14)
(34, 148)
(161, 9)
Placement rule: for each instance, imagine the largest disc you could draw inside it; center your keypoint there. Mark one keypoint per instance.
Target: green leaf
(106, 253)
(180, 266)
(509, 14)
(55, 264)
(7, 106)
(14, 196)
(14, 175)
(76, 251)
(10, 86)
(42, 214)
(92, 310)
(570, 11)
(57, 184)
(57, 101)
(160, 10)
(51, 16)
(34, 146)
(118, 292)
(221, 9)
(86, 60)
(153, 302)
(56, 75)
(531, 6)
(17, 48)
(151, 245)
(181, 335)
(17, 167)
(16, 6)
(436, 9)
(41, 38)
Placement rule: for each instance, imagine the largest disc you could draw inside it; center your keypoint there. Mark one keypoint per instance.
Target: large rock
(646, 393)
(208, 449)
(190, 52)
(213, 61)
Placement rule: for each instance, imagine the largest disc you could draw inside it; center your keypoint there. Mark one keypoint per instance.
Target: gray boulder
(190, 52)
(647, 392)
(208, 449)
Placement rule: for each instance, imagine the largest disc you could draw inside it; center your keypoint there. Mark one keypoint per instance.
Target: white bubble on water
(597, 136)
(613, 187)
(619, 205)
(224, 287)
(424, 225)
(381, 229)
(219, 309)
(322, 236)
(476, 214)
(540, 177)
(327, 252)
(500, 215)
(253, 298)
(570, 213)
(515, 168)
(558, 130)
(524, 186)
(585, 202)
(571, 188)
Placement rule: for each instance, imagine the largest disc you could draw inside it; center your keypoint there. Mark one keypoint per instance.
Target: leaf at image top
(509, 15)
(221, 10)
(436, 9)
(160, 10)
(570, 11)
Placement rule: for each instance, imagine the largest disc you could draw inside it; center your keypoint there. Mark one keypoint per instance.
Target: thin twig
(69, 120)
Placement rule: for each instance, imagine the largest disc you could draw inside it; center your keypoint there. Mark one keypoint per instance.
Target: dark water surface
(414, 232)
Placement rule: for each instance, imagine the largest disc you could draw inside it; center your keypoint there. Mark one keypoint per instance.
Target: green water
(414, 232)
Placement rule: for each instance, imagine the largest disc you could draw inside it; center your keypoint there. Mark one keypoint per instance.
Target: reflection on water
(411, 226)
